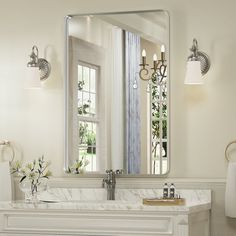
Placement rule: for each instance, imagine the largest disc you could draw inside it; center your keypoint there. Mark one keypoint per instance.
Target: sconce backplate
(204, 61)
(44, 68)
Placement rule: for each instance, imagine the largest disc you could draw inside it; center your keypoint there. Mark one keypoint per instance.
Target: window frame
(90, 119)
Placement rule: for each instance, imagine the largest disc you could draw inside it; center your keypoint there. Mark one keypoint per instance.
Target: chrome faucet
(109, 182)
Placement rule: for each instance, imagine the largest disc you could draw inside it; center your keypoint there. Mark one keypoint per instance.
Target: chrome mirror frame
(66, 93)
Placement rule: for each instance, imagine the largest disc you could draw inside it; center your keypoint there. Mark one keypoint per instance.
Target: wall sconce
(42, 64)
(198, 65)
(159, 66)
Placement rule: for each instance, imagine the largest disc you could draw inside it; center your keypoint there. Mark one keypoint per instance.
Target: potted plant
(91, 142)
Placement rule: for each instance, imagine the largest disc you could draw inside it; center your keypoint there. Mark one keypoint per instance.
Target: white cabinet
(90, 215)
(32, 222)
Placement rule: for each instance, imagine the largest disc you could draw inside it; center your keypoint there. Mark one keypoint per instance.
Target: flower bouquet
(33, 177)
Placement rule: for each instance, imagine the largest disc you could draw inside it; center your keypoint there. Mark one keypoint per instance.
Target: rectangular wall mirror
(114, 119)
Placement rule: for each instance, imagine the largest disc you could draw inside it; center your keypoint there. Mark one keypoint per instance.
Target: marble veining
(129, 195)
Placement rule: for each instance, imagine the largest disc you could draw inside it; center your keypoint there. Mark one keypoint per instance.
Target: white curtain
(117, 99)
(132, 59)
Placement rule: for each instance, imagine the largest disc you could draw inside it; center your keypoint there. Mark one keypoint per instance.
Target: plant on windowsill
(33, 177)
(91, 142)
(78, 166)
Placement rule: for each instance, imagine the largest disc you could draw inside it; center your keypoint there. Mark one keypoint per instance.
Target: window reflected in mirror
(87, 115)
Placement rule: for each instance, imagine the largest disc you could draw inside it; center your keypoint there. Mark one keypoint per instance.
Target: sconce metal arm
(43, 65)
(199, 56)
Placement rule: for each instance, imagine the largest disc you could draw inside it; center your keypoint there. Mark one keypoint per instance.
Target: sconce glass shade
(33, 78)
(193, 73)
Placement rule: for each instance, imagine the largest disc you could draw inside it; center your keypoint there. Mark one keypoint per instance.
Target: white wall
(202, 119)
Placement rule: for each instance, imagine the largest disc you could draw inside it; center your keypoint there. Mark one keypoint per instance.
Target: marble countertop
(102, 206)
(95, 200)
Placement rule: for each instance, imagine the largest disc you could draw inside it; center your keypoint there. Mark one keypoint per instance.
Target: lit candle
(144, 57)
(155, 62)
(155, 57)
(162, 52)
(162, 48)
(144, 53)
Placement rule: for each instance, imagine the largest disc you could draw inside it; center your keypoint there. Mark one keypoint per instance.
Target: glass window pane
(155, 158)
(155, 130)
(86, 104)
(155, 93)
(87, 133)
(80, 75)
(79, 97)
(164, 145)
(93, 80)
(164, 110)
(81, 85)
(164, 92)
(83, 131)
(156, 150)
(155, 110)
(92, 104)
(164, 129)
(164, 165)
(82, 152)
(86, 78)
(80, 103)
(87, 144)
